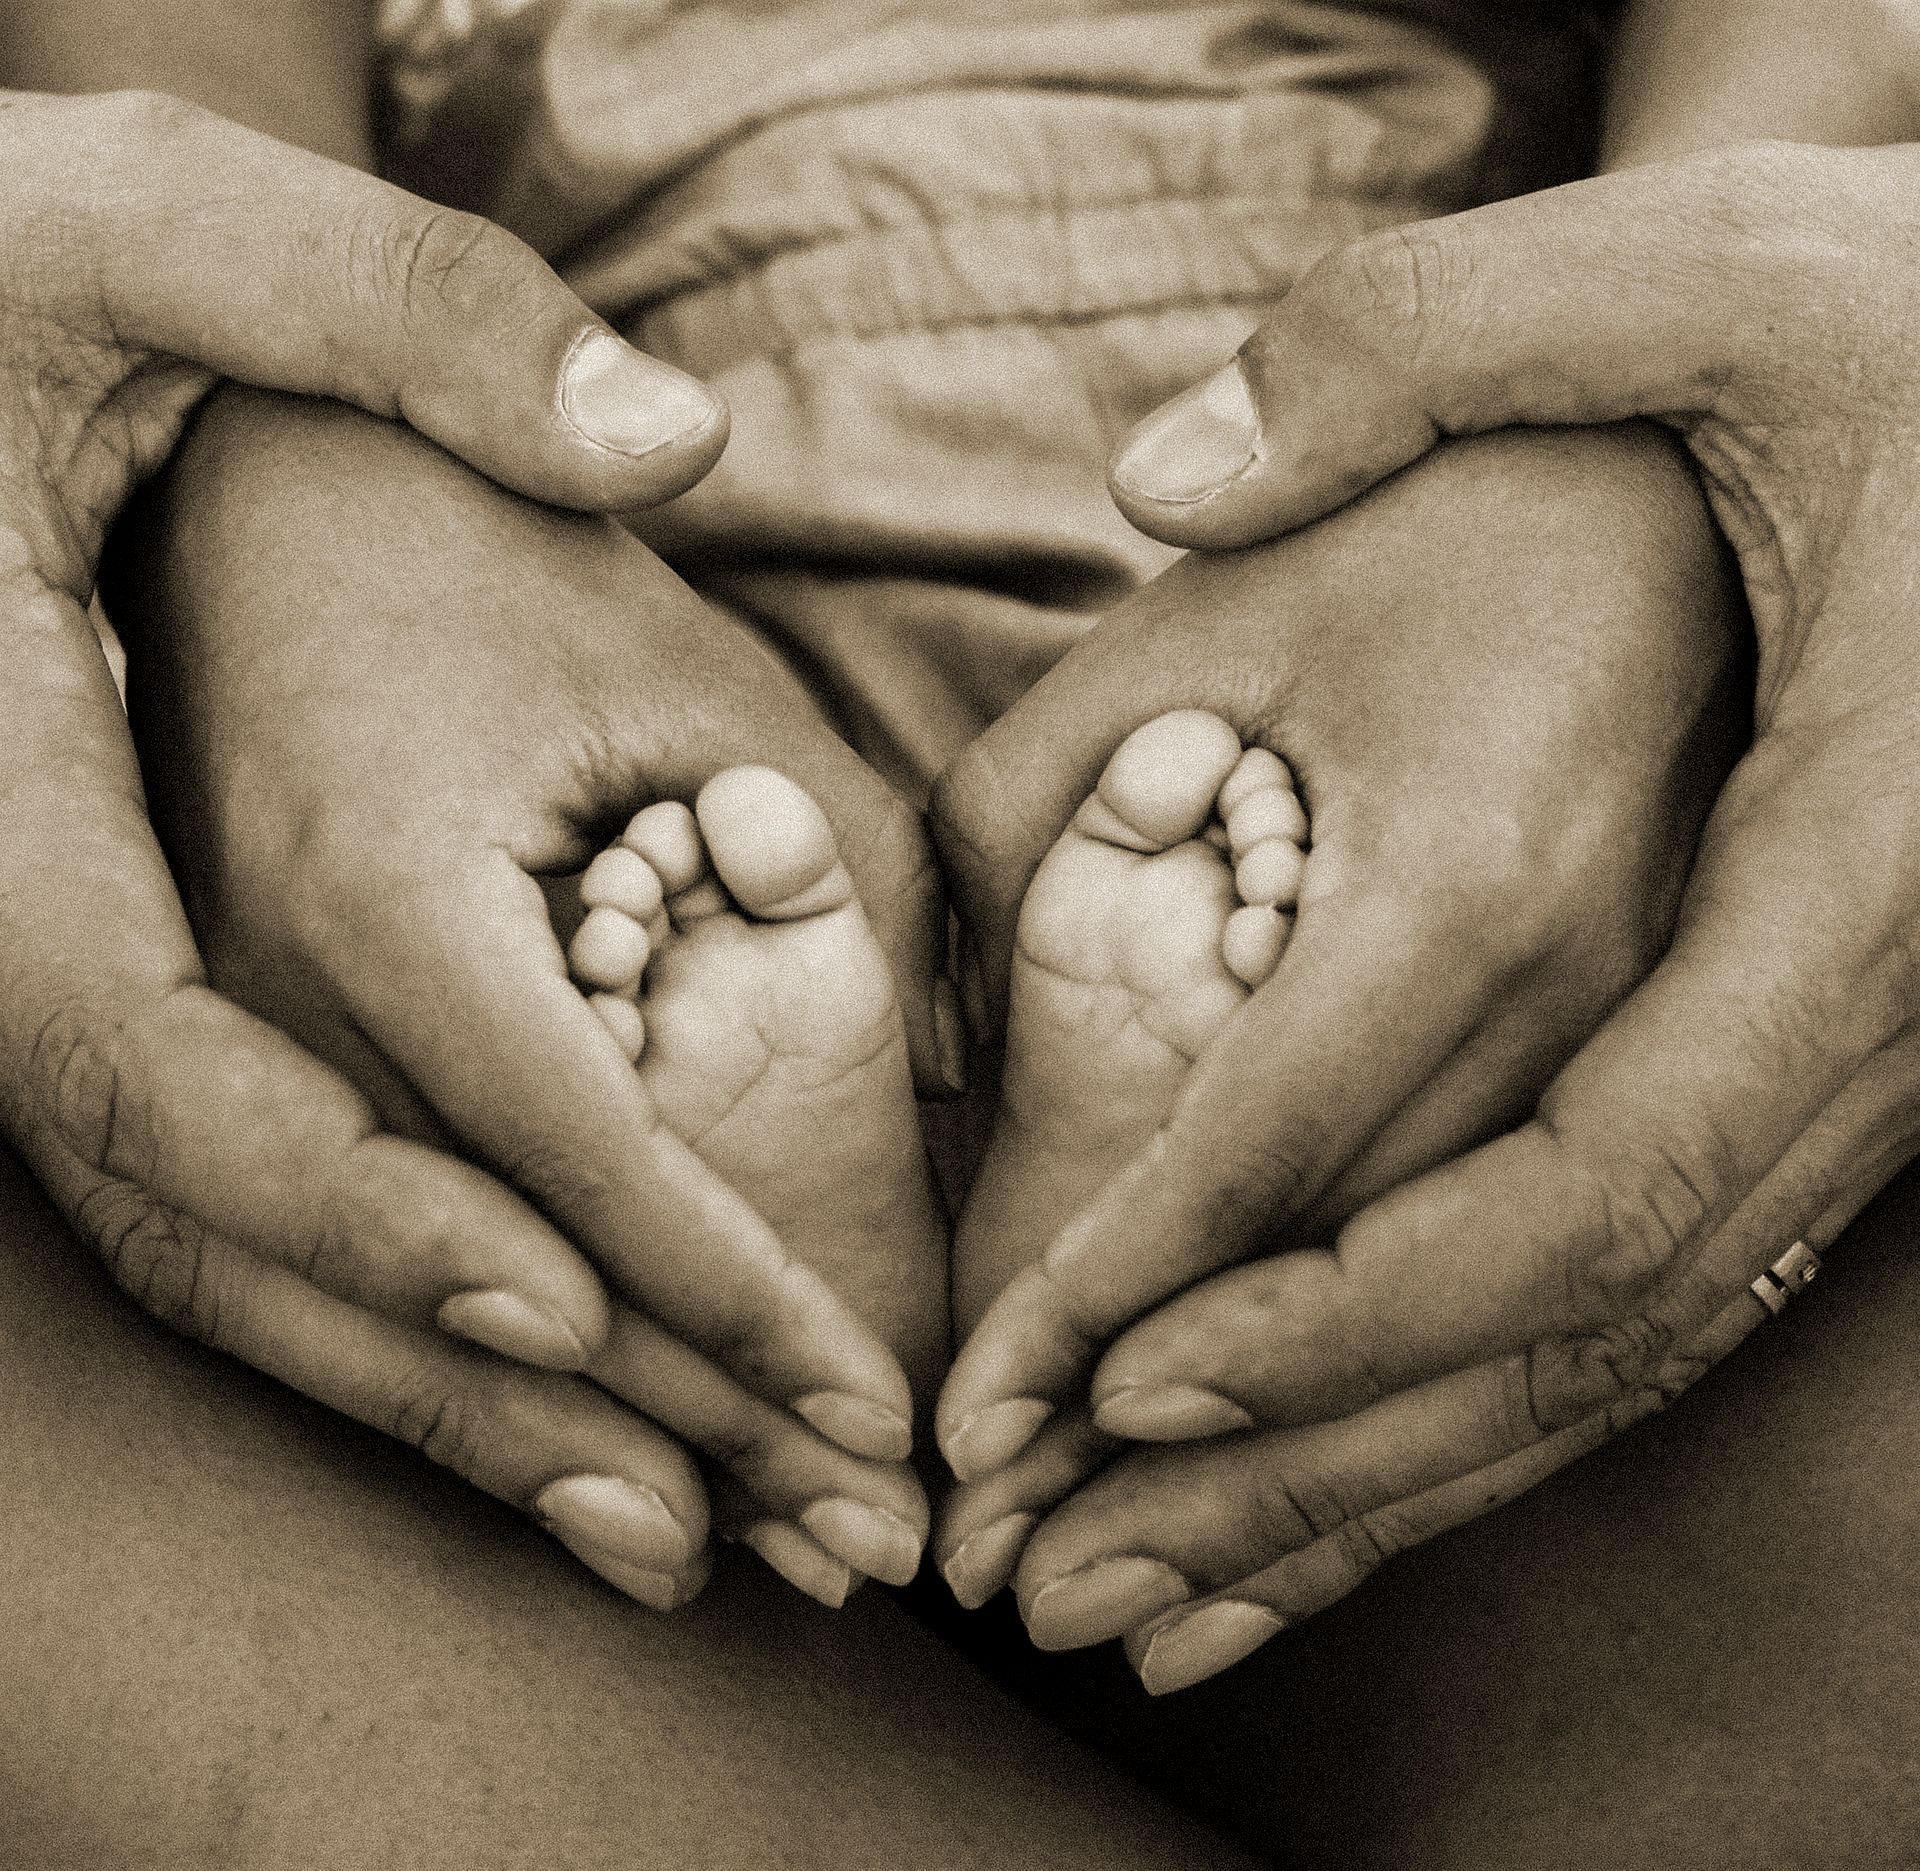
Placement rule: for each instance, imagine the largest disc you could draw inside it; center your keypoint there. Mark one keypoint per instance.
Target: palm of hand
(1509, 740)
(1415, 723)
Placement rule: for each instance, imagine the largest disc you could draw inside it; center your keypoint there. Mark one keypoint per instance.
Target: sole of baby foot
(1165, 903)
(727, 954)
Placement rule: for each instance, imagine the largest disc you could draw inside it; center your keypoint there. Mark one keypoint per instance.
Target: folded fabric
(940, 257)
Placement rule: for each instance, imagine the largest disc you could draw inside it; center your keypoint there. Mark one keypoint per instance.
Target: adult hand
(1504, 685)
(367, 743)
(1759, 302)
(1765, 1080)
(145, 249)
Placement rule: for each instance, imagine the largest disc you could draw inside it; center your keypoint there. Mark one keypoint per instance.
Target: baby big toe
(772, 845)
(1160, 786)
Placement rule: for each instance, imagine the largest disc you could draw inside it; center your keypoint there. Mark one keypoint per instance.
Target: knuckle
(447, 1426)
(1386, 282)
(438, 260)
(1287, 1508)
(157, 1256)
(1646, 1224)
(1602, 1369)
(1370, 1540)
(80, 1086)
(1643, 1207)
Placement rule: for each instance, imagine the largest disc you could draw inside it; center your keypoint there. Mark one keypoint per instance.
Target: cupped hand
(379, 701)
(1506, 685)
(1493, 1318)
(224, 1173)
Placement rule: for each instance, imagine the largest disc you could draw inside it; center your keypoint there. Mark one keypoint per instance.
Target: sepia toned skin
(241, 1188)
(1760, 1087)
(1477, 1791)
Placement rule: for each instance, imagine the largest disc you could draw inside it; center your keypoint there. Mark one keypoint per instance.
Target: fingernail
(868, 1538)
(1101, 1601)
(514, 1326)
(1187, 1650)
(989, 1439)
(657, 1591)
(1196, 444)
(617, 1516)
(858, 1425)
(984, 1561)
(629, 402)
(1168, 1413)
(801, 1562)
(950, 1035)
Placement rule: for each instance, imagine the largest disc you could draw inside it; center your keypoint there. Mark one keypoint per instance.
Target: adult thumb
(287, 271)
(1584, 304)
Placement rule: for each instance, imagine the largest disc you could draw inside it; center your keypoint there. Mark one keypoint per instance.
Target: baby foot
(1165, 902)
(725, 951)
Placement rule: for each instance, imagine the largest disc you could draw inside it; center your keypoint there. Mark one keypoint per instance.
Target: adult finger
(1163, 1526)
(481, 1017)
(205, 241)
(622, 1496)
(784, 1545)
(871, 1516)
(1766, 1007)
(119, 1056)
(1275, 1527)
(1590, 303)
(984, 1525)
(1335, 1530)
(1283, 1521)
(1355, 1019)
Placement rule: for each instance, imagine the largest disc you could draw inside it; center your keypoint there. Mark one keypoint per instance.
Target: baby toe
(621, 879)
(1269, 812)
(772, 845)
(1259, 769)
(1253, 941)
(668, 838)
(1270, 873)
(609, 950)
(1160, 786)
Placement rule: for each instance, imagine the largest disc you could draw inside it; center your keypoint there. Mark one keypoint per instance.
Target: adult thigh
(1699, 1647)
(237, 1631)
